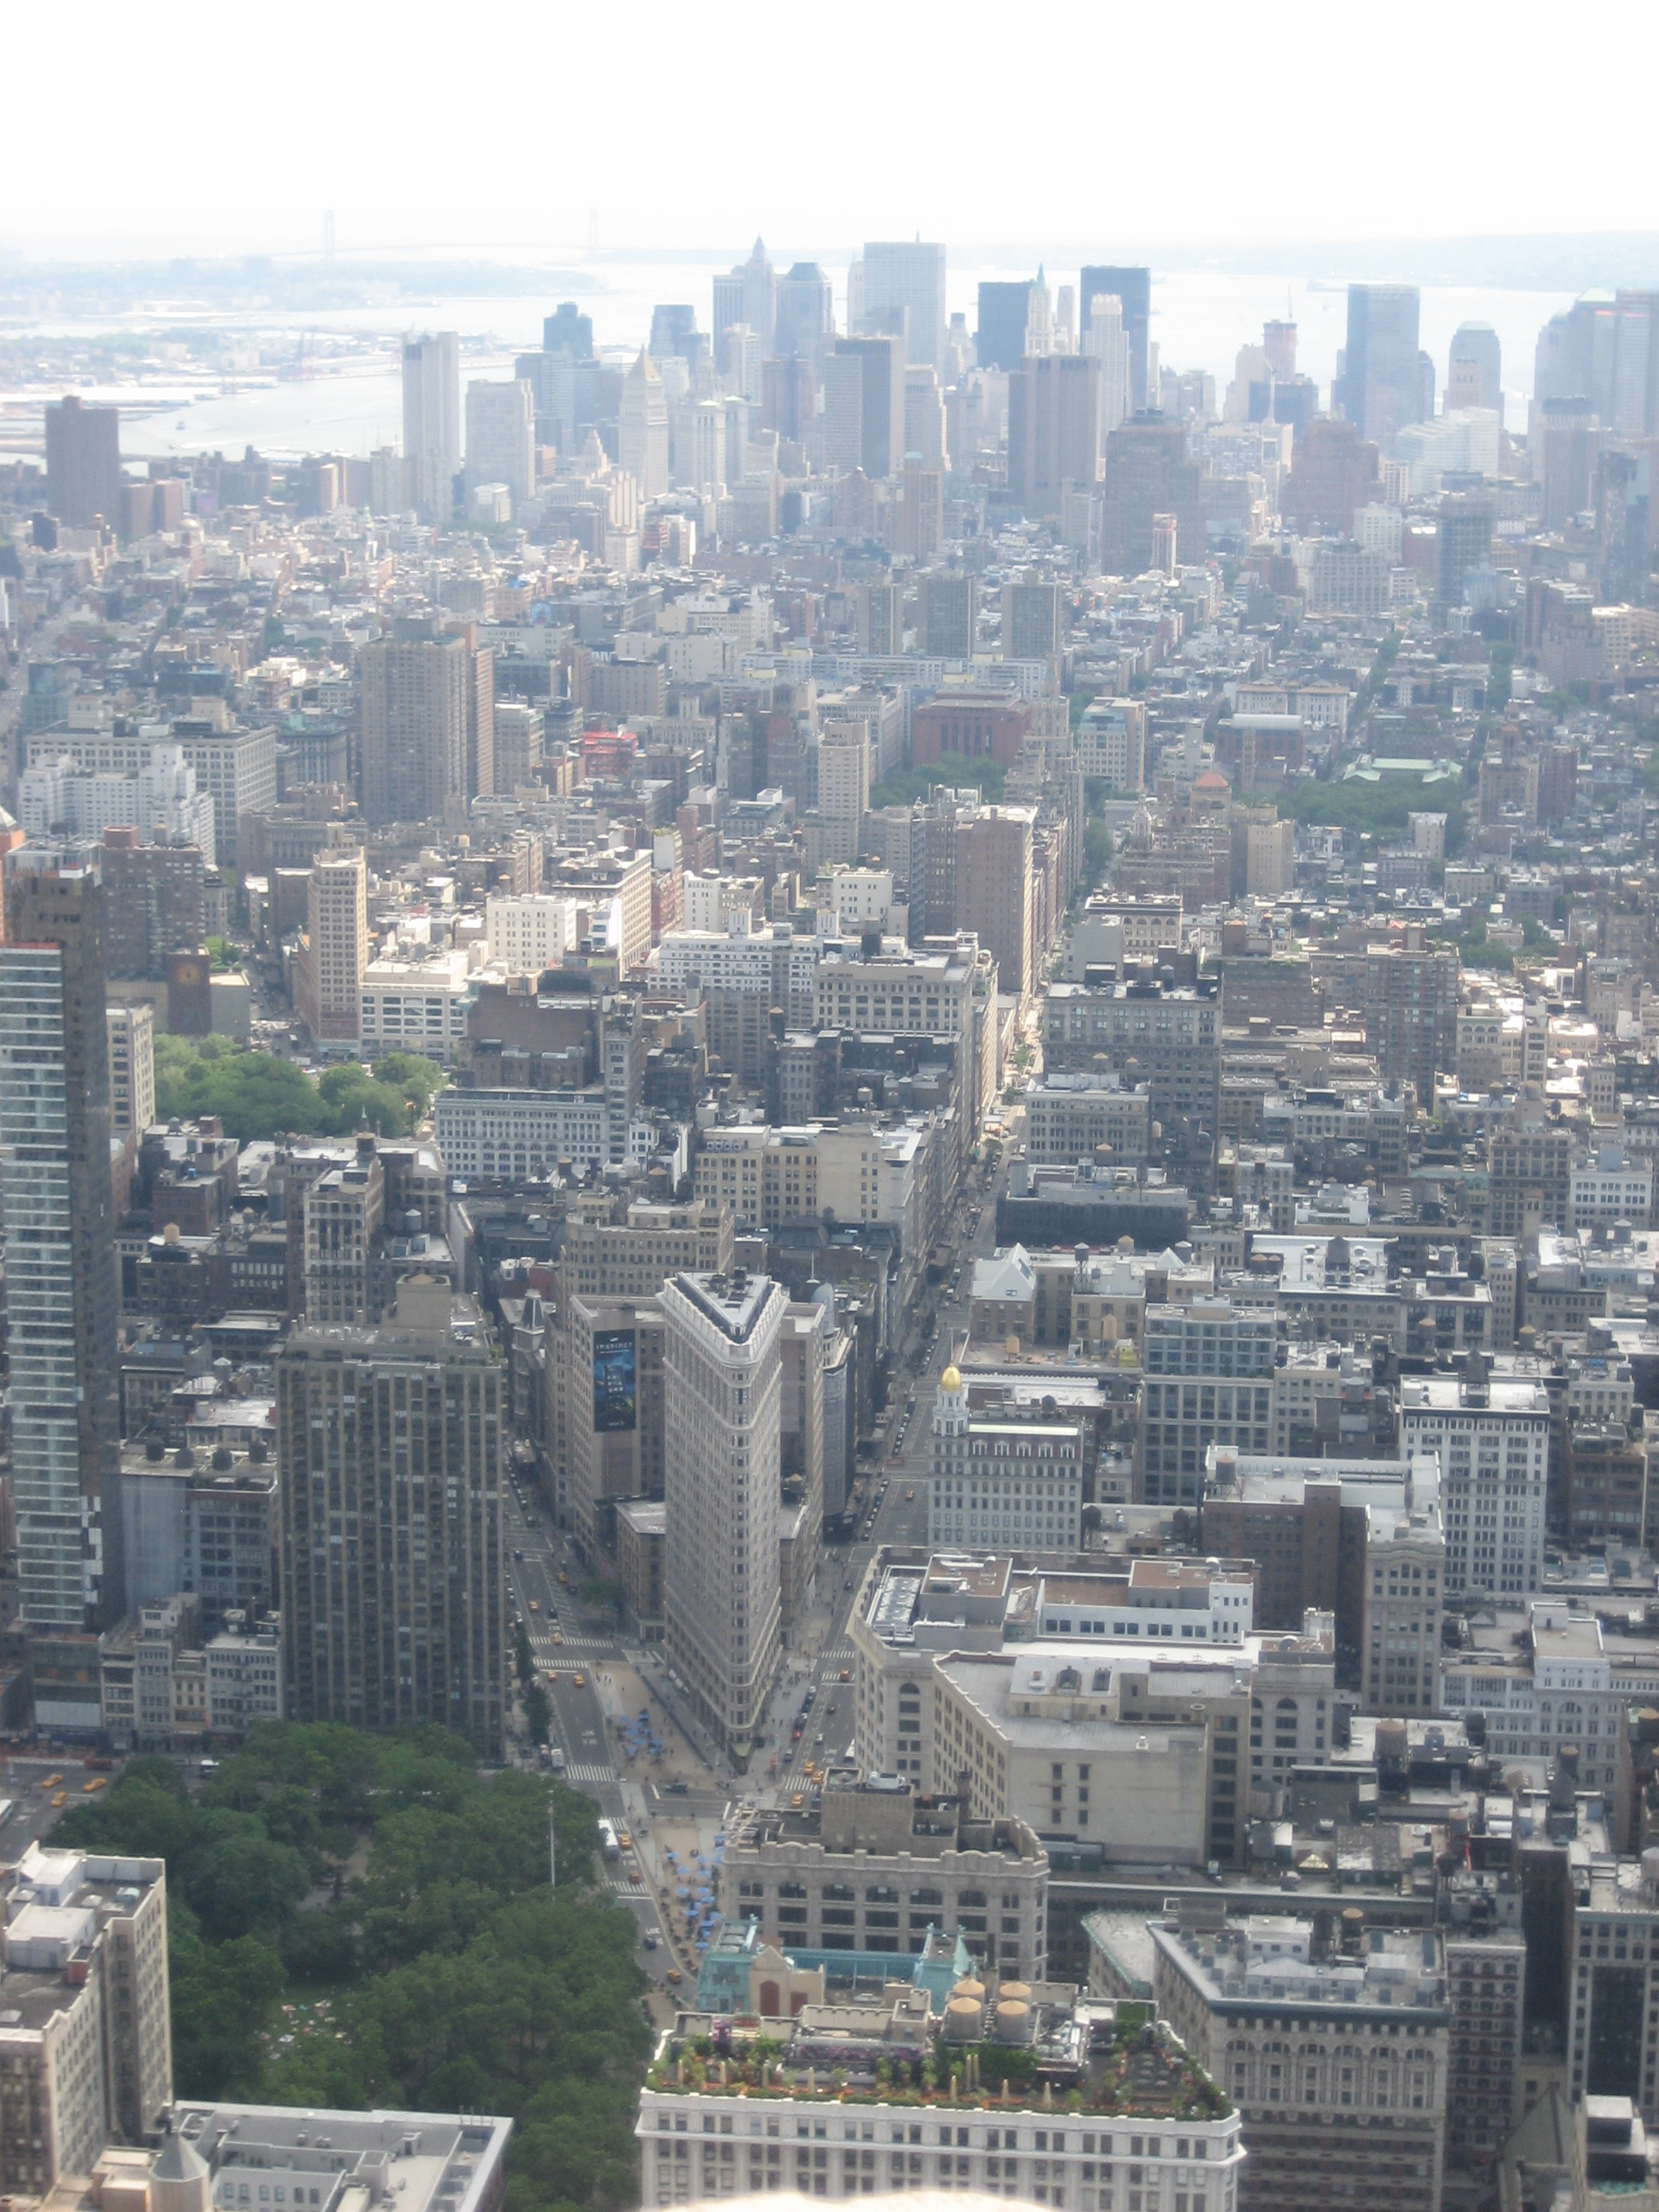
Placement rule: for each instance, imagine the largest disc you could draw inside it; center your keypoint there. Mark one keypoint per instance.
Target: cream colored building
(329, 978)
(131, 1068)
(529, 932)
(86, 2036)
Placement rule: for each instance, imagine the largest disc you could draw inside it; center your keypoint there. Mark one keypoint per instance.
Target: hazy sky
(501, 125)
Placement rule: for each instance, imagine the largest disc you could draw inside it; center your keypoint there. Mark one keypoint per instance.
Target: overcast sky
(503, 125)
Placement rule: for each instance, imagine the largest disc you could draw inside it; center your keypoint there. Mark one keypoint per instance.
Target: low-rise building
(875, 1866)
(1306, 2037)
(894, 2096)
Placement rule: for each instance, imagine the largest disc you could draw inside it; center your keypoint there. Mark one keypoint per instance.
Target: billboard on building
(614, 1380)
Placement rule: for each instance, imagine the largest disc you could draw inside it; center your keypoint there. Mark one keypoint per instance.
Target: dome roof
(951, 1379)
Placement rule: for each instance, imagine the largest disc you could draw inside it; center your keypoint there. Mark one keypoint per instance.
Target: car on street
(648, 1939)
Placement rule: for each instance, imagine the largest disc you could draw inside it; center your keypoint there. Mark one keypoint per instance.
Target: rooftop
(1010, 2046)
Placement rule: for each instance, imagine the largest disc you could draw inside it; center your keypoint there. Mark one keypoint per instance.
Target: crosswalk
(585, 1771)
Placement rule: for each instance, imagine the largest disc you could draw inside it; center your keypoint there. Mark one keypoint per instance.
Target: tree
(417, 1080)
(538, 1712)
(523, 1657)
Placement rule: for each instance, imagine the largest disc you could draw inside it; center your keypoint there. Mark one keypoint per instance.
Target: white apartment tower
(722, 1421)
(432, 421)
(843, 787)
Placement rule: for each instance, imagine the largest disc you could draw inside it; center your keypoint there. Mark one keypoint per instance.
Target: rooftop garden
(1141, 2072)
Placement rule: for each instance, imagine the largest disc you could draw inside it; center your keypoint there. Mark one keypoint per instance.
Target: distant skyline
(217, 132)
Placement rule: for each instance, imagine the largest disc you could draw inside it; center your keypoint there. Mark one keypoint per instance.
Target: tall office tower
(501, 436)
(642, 427)
(924, 416)
(880, 398)
(1333, 473)
(881, 619)
(921, 509)
(1209, 1375)
(328, 984)
(432, 421)
(1031, 619)
(1065, 318)
(738, 357)
(1054, 429)
(843, 787)
(1104, 340)
(83, 463)
(1004, 311)
(908, 276)
(672, 327)
(417, 686)
(1148, 473)
(947, 615)
(994, 893)
(58, 1214)
(132, 1034)
(1278, 344)
(1474, 369)
(805, 320)
(342, 1215)
(552, 381)
(1380, 386)
(704, 465)
(748, 294)
(567, 330)
(789, 396)
(721, 1486)
(843, 409)
(1134, 289)
(1464, 541)
(1411, 1013)
(392, 1442)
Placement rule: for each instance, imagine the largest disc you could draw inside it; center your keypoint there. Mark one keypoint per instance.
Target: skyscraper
(1474, 370)
(328, 985)
(83, 463)
(1134, 289)
(748, 294)
(432, 421)
(1004, 310)
(501, 436)
(642, 427)
(1464, 541)
(415, 687)
(392, 1442)
(671, 328)
(1104, 340)
(1054, 429)
(567, 330)
(1148, 473)
(722, 1473)
(803, 317)
(880, 385)
(59, 1253)
(1381, 384)
(907, 276)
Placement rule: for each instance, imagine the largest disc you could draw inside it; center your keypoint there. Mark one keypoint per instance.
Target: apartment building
(929, 990)
(605, 1383)
(617, 1248)
(131, 1033)
(86, 2034)
(1304, 2038)
(1492, 1436)
(1209, 1380)
(1404, 1581)
(328, 982)
(399, 1432)
(876, 1867)
(722, 1417)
